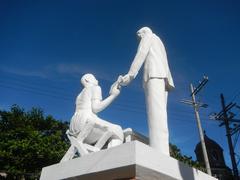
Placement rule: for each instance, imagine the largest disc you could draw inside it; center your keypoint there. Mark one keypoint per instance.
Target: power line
(37, 89)
(235, 96)
(120, 106)
(236, 139)
(35, 92)
(35, 83)
(136, 108)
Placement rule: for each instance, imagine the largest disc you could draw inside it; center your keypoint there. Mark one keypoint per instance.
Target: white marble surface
(129, 160)
(87, 132)
(157, 81)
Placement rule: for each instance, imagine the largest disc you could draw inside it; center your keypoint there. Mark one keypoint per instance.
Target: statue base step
(132, 160)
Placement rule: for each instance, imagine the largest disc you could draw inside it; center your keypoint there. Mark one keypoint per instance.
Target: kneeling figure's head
(89, 80)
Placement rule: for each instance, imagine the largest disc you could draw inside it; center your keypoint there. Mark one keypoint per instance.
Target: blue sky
(46, 46)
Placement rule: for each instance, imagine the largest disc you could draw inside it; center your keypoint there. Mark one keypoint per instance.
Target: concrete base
(133, 160)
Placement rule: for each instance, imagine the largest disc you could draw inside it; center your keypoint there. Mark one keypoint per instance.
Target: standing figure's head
(89, 80)
(141, 33)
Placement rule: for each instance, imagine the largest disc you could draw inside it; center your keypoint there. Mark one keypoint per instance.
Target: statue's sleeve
(140, 57)
(96, 93)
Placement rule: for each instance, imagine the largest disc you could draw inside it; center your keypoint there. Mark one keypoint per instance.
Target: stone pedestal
(133, 160)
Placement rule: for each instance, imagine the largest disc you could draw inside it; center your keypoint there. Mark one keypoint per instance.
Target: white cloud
(70, 69)
(24, 72)
(67, 70)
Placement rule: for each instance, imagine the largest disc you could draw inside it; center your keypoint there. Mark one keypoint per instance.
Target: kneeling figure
(87, 132)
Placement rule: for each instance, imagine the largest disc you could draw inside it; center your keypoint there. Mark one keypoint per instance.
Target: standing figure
(157, 81)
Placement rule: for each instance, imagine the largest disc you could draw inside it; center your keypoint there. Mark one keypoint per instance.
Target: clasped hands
(121, 81)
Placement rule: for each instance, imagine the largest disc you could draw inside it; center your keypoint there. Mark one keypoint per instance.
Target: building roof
(209, 143)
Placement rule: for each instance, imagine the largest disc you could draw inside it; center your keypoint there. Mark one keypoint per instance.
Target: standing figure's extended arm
(140, 57)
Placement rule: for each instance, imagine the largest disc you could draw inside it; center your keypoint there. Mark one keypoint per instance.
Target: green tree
(175, 152)
(30, 141)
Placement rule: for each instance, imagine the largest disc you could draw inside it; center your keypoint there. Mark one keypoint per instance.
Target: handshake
(121, 81)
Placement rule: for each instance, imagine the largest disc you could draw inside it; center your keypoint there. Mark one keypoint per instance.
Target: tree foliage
(29, 141)
(175, 152)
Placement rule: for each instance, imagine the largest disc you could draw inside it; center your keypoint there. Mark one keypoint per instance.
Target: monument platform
(132, 160)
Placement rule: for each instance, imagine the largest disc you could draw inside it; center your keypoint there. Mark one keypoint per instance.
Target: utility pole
(228, 134)
(226, 118)
(196, 105)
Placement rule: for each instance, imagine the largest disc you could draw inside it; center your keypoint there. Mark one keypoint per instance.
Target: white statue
(157, 81)
(87, 132)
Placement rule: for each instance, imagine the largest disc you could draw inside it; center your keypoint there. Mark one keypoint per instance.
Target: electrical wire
(177, 114)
